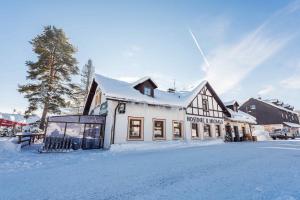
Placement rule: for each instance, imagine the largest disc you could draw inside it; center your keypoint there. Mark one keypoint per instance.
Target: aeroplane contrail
(199, 48)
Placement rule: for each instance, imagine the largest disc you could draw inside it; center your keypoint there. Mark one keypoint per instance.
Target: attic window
(147, 91)
(252, 107)
(205, 105)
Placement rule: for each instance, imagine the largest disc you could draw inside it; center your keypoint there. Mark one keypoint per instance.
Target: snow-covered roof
(230, 103)
(141, 80)
(276, 106)
(121, 90)
(293, 125)
(241, 116)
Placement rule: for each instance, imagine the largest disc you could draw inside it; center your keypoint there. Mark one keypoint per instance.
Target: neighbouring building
(139, 111)
(272, 114)
(238, 127)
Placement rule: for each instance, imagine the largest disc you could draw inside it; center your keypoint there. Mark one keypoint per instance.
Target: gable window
(205, 105)
(147, 91)
(98, 99)
(159, 129)
(207, 132)
(218, 131)
(177, 129)
(195, 133)
(253, 107)
(135, 128)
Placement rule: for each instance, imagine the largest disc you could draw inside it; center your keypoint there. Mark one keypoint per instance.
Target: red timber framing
(207, 104)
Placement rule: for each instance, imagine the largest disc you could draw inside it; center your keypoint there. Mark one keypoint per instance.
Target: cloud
(230, 64)
(292, 82)
(200, 50)
(132, 51)
(266, 90)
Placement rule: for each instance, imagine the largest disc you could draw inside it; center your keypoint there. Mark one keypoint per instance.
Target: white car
(282, 134)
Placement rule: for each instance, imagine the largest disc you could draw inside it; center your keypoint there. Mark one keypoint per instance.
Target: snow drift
(135, 146)
(261, 135)
(9, 145)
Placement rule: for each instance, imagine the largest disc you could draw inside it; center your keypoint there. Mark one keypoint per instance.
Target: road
(261, 170)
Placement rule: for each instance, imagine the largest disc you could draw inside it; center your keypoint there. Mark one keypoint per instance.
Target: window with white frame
(147, 91)
(177, 129)
(158, 129)
(135, 128)
(205, 105)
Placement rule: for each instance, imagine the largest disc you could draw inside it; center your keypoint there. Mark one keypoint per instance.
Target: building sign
(122, 108)
(206, 120)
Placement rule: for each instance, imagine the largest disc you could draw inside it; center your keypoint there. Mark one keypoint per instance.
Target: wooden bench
(28, 138)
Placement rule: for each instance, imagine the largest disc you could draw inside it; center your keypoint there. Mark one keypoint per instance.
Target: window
(195, 133)
(207, 132)
(218, 131)
(135, 130)
(244, 131)
(253, 107)
(98, 99)
(177, 129)
(205, 104)
(147, 91)
(158, 129)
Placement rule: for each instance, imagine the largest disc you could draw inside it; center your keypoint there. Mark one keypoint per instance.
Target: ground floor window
(177, 129)
(195, 130)
(135, 128)
(218, 131)
(207, 132)
(244, 131)
(159, 129)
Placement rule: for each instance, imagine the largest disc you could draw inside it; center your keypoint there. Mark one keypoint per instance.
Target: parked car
(282, 134)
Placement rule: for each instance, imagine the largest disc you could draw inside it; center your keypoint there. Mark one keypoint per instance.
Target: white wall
(148, 113)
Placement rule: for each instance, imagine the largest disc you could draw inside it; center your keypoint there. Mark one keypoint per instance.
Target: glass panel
(92, 138)
(56, 129)
(147, 91)
(158, 129)
(135, 128)
(177, 129)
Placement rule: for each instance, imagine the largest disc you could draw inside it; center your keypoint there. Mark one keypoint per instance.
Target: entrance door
(228, 136)
(236, 134)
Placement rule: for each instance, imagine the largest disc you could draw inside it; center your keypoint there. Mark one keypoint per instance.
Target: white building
(139, 111)
(239, 126)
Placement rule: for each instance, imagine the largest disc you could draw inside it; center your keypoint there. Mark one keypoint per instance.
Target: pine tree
(75, 105)
(87, 75)
(50, 76)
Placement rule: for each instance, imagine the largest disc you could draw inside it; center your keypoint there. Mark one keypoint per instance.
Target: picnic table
(28, 137)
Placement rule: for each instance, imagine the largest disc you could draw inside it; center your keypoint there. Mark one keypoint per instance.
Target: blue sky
(251, 47)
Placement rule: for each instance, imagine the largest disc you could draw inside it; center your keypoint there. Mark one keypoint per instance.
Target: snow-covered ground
(261, 170)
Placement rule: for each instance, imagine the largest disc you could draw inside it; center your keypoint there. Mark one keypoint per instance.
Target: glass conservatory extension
(86, 130)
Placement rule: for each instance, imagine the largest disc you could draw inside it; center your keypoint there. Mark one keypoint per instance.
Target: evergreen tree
(87, 75)
(75, 105)
(50, 76)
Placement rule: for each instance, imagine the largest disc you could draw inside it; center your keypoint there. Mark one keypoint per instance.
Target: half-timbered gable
(207, 104)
